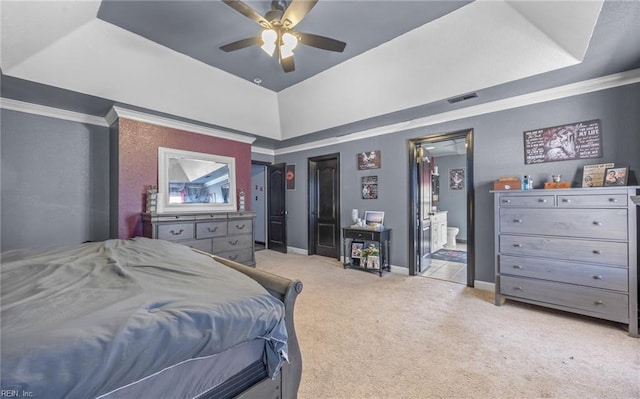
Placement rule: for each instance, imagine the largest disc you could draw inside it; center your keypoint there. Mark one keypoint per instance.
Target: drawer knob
(234, 242)
(517, 288)
(517, 245)
(240, 227)
(212, 230)
(233, 257)
(596, 223)
(176, 233)
(599, 302)
(506, 201)
(613, 200)
(517, 220)
(597, 252)
(542, 200)
(567, 200)
(517, 267)
(597, 277)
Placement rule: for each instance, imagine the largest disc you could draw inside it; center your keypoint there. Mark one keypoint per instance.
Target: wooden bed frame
(285, 385)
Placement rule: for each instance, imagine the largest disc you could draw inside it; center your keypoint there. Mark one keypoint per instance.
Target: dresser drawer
(605, 304)
(516, 200)
(211, 229)
(240, 255)
(603, 252)
(202, 245)
(610, 200)
(177, 231)
(362, 235)
(232, 243)
(588, 223)
(240, 226)
(612, 278)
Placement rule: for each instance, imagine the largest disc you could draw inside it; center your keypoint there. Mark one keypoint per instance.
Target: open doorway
(259, 203)
(441, 239)
(268, 201)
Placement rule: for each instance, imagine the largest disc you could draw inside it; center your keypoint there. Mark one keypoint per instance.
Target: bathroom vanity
(438, 230)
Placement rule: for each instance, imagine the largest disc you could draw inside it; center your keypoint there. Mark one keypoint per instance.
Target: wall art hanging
(456, 179)
(369, 160)
(563, 143)
(369, 187)
(291, 176)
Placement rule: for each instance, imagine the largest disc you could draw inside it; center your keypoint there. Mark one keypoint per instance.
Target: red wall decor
(138, 144)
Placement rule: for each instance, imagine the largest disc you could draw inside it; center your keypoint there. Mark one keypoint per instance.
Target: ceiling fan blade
(297, 10)
(240, 44)
(248, 12)
(321, 42)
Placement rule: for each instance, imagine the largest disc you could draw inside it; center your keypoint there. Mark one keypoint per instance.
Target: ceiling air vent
(463, 97)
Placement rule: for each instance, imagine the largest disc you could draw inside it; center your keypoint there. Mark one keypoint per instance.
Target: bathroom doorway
(441, 239)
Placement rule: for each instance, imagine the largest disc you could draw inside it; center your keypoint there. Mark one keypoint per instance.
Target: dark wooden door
(425, 196)
(324, 206)
(276, 208)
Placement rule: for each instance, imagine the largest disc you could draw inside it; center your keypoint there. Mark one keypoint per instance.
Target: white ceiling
(484, 44)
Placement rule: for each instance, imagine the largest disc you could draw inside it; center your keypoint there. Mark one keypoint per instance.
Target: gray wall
(55, 176)
(455, 202)
(55, 181)
(498, 151)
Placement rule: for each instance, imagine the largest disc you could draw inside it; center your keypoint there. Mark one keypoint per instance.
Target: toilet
(452, 232)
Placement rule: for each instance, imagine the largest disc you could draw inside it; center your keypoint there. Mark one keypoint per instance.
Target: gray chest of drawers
(570, 249)
(226, 234)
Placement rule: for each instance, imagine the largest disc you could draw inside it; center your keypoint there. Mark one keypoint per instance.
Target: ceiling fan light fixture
(289, 42)
(269, 37)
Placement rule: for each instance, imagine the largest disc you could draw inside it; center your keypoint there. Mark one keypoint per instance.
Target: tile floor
(450, 271)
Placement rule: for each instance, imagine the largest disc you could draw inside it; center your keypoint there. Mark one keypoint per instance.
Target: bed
(144, 318)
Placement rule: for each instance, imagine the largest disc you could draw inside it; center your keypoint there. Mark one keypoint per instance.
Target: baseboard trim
(400, 270)
(484, 286)
(299, 251)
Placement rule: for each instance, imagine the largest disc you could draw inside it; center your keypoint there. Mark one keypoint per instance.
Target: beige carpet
(363, 336)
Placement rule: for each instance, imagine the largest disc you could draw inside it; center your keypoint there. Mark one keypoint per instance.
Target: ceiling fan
(278, 34)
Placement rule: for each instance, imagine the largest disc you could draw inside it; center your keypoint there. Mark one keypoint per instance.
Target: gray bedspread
(80, 322)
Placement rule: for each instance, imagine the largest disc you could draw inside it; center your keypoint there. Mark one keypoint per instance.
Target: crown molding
(569, 90)
(262, 150)
(119, 112)
(573, 89)
(42, 110)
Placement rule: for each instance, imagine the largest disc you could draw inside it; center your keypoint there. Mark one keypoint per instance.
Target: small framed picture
(374, 218)
(616, 176)
(369, 160)
(356, 249)
(373, 262)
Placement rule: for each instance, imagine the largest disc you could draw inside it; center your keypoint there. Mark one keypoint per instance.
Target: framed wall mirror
(195, 182)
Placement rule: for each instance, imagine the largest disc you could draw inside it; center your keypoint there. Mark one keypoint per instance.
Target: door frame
(266, 198)
(312, 199)
(414, 234)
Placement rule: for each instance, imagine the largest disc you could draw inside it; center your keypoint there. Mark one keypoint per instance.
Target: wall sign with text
(563, 143)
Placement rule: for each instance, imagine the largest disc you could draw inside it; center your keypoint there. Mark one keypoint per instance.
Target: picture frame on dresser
(616, 176)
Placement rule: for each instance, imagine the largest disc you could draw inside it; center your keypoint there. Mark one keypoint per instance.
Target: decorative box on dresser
(570, 249)
(226, 234)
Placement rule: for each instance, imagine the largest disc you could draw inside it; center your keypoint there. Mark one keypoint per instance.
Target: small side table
(357, 237)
